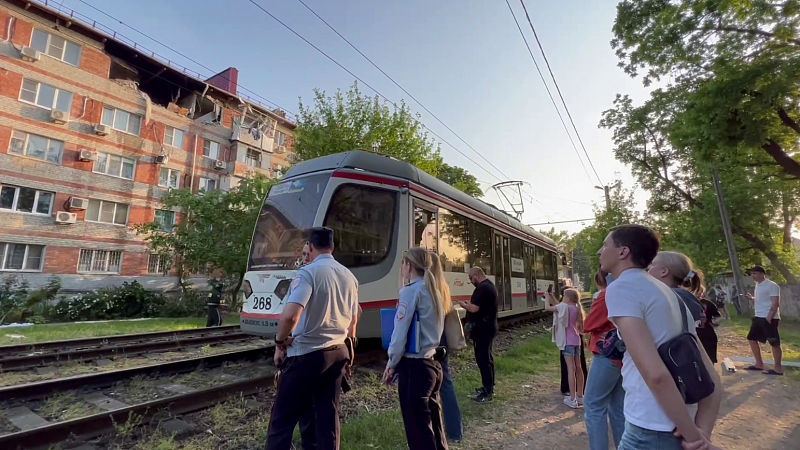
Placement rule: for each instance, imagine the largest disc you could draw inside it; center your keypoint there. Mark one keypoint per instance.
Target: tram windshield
(290, 208)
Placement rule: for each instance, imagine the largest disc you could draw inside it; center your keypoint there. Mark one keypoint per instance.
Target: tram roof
(386, 165)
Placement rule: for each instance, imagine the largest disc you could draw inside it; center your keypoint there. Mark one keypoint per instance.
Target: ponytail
(575, 297)
(430, 283)
(683, 272)
(422, 262)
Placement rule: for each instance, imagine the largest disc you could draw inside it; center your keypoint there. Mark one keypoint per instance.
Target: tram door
(530, 276)
(502, 272)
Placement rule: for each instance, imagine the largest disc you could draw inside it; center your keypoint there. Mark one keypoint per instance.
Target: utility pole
(734, 257)
(607, 191)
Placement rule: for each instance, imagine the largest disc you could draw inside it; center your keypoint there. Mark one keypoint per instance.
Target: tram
(378, 207)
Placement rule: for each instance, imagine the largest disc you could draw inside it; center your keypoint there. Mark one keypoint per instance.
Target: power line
(183, 55)
(561, 221)
(558, 89)
(536, 64)
(402, 88)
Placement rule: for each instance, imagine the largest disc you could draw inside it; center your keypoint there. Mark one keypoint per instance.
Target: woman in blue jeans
(604, 398)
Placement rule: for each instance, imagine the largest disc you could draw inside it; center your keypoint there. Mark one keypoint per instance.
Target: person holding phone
(482, 316)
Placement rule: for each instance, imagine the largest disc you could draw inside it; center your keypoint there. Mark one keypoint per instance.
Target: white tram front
(378, 207)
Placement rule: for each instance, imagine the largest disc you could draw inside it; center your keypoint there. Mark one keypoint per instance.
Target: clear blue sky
(464, 59)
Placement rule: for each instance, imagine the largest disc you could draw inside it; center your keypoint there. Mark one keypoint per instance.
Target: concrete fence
(790, 301)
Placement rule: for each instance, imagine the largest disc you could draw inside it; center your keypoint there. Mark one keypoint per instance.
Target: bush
(188, 304)
(131, 300)
(13, 298)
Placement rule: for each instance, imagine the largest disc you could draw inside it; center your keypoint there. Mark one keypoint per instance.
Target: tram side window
(517, 259)
(540, 259)
(453, 241)
(480, 248)
(425, 228)
(549, 265)
(363, 220)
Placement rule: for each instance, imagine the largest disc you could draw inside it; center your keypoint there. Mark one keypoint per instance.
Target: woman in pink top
(572, 322)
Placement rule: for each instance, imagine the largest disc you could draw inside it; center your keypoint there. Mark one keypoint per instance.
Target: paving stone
(177, 388)
(101, 401)
(47, 370)
(177, 428)
(25, 419)
(103, 362)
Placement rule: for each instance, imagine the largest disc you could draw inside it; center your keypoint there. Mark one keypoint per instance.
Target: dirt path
(758, 412)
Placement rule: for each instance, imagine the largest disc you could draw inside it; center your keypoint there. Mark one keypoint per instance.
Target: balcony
(245, 167)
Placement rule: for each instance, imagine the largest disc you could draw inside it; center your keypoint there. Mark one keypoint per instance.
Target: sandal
(772, 372)
(754, 368)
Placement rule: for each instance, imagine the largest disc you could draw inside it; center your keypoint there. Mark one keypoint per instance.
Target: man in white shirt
(764, 328)
(647, 314)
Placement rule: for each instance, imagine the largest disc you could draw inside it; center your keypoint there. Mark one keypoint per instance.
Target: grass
(77, 330)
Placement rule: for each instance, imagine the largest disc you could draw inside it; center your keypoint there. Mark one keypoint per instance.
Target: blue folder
(387, 327)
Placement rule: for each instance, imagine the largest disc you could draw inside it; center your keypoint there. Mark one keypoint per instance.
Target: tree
(737, 62)
(215, 229)
(354, 121)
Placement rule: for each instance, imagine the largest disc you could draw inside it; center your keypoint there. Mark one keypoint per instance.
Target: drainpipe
(194, 161)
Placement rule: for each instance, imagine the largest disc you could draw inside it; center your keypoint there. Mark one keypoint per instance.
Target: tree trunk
(237, 288)
(788, 224)
(762, 247)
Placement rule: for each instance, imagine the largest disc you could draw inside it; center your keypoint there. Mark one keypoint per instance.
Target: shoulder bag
(454, 332)
(684, 361)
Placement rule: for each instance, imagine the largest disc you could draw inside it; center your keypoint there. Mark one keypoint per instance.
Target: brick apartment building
(94, 130)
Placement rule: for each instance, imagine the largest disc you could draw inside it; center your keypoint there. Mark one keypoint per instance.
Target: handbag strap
(681, 306)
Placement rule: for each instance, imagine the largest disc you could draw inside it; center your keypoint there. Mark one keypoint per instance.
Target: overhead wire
(558, 89)
(550, 94)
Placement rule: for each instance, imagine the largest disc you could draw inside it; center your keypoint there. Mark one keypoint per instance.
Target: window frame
(169, 172)
(94, 251)
(172, 141)
(464, 255)
(114, 120)
(35, 101)
(63, 51)
(100, 212)
(202, 188)
(121, 165)
(15, 201)
(4, 246)
(163, 261)
(26, 146)
(160, 223)
(209, 142)
(394, 222)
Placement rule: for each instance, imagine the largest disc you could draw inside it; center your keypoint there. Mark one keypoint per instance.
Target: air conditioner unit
(161, 159)
(29, 54)
(280, 150)
(66, 217)
(86, 155)
(219, 164)
(102, 130)
(78, 203)
(59, 117)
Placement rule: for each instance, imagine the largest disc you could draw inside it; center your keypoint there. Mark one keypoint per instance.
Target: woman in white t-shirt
(647, 314)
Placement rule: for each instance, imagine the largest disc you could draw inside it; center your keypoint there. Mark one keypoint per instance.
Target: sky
(463, 59)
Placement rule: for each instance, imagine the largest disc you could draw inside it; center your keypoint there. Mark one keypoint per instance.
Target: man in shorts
(767, 301)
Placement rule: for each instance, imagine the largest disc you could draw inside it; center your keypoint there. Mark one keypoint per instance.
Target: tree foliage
(354, 121)
(214, 230)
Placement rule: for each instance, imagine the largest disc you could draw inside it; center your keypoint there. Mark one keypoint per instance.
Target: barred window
(158, 264)
(99, 261)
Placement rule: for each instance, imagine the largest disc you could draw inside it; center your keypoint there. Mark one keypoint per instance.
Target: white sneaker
(580, 400)
(571, 403)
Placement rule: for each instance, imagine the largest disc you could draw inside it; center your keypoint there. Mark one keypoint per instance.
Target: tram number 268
(264, 303)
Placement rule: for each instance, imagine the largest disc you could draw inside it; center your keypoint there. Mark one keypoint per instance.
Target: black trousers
(419, 381)
(482, 341)
(565, 376)
(308, 394)
(214, 316)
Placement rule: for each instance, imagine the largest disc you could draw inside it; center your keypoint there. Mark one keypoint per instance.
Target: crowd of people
(650, 330)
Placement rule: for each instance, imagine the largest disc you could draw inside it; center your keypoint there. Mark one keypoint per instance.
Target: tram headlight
(282, 288)
(248, 290)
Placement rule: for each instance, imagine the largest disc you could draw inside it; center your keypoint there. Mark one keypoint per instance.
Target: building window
(168, 178)
(207, 184)
(56, 47)
(211, 149)
(252, 158)
(107, 212)
(46, 96)
(99, 261)
(122, 120)
(173, 137)
(35, 146)
(26, 200)
(164, 218)
(21, 257)
(114, 165)
(280, 139)
(363, 222)
(158, 264)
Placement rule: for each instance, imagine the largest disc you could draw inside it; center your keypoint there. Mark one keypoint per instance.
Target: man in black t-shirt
(482, 316)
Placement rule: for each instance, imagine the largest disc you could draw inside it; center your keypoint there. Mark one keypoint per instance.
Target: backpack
(684, 361)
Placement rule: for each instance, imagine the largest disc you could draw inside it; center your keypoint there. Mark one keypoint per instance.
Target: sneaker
(478, 392)
(579, 400)
(571, 403)
(483, 398)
